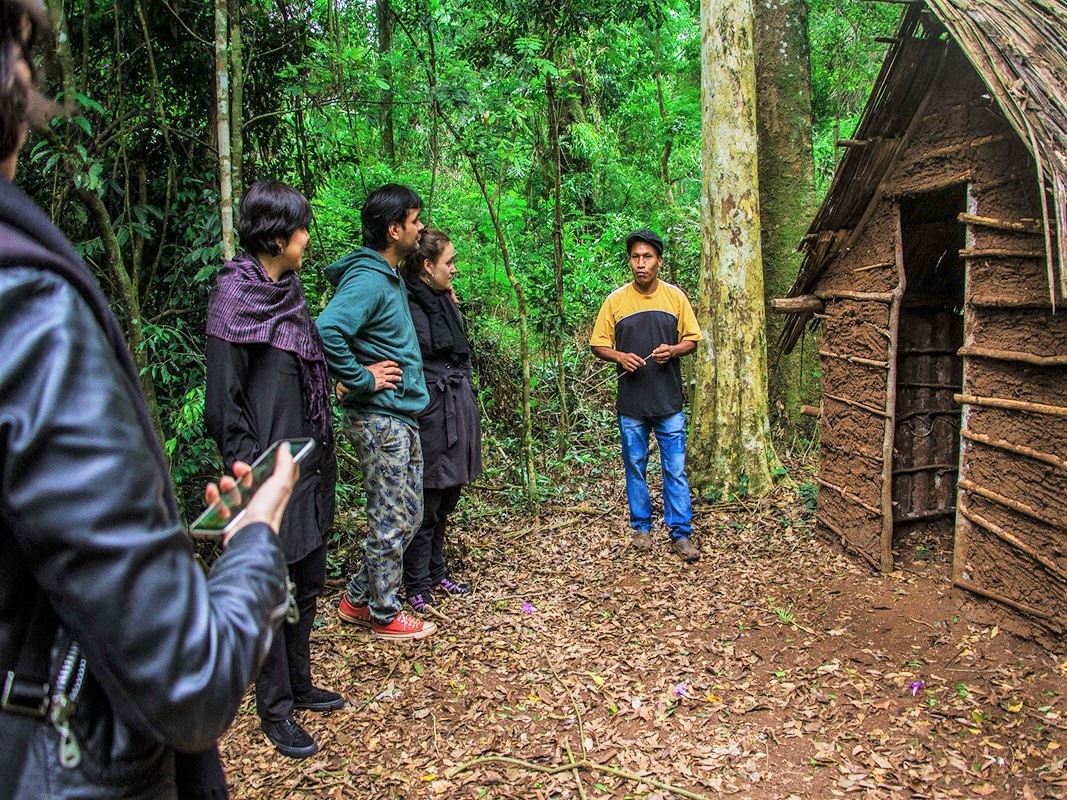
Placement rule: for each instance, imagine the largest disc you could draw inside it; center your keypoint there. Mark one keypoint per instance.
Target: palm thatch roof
(1019, 49)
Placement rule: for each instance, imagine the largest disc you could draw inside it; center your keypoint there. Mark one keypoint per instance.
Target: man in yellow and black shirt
(644, 327)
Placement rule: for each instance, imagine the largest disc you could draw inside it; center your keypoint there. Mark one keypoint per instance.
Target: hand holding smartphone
(224, 515)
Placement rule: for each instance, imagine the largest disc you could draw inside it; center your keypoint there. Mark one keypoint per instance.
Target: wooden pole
(1019, 449)
(1014, 355)
(1014, 405)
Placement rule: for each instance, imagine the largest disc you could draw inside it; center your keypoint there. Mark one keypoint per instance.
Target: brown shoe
(642, 542)
(685, 550)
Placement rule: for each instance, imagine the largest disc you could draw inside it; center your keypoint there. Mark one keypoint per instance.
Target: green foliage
(470, 86)
(845, 61)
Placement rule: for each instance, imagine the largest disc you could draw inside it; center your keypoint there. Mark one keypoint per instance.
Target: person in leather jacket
(116, 651)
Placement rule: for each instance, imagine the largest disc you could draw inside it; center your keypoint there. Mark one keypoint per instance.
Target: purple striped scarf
(247, 307)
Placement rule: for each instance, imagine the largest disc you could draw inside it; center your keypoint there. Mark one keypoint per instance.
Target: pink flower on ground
(528, 607)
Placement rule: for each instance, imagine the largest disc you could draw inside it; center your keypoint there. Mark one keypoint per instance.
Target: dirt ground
(776, 667)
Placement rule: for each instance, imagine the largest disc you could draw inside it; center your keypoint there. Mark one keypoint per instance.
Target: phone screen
(223, 515)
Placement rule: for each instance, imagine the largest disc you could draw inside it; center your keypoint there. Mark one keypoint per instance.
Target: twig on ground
(577, 772)
(557, 768)
(574, 701)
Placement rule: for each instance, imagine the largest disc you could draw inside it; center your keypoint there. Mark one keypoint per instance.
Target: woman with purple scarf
(266, 380)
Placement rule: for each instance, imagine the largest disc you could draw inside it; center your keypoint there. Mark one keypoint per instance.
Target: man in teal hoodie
(372, 349)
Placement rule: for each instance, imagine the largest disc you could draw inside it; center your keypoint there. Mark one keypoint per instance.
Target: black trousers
(424, 558)
(287, 669)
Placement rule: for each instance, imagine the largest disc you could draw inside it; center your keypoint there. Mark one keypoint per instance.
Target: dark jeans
(287, 669)
(424, 558)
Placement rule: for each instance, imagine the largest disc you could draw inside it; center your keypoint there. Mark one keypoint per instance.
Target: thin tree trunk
(730, 449)
(556, 334)
(385, 49)
(128, 298)
(237, 101)
(786, 190)
(222, 119)
(668, 137)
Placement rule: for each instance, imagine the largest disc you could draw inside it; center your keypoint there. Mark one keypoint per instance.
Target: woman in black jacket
(116, 652)
(266, 380)
(450, 429)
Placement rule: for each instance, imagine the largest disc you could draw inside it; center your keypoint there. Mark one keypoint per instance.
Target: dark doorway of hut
(929, 371)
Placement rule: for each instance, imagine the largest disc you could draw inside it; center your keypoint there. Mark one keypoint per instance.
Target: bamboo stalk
(867, 362)
(999, 252)
(1007, 502)
(928, 412)
(1018, 449)
(849, 496)
(981, 141)
(1014, 405)
(963, 583)
(924, 516)
(1009, 538)
(1014, 355)
(935, 386)
(797, 304)
(856, 404)
(1016, 226)
(924, 468)
(841, 294)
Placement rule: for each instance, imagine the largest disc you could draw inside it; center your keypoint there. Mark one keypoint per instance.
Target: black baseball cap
(645, 235)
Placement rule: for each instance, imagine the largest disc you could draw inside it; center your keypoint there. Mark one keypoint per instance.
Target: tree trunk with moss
(786, 191)
(730, 447)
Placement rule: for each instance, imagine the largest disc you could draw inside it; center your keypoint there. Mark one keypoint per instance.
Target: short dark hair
(431, 245)
(21, 22)
(383, 207)
(269, 210)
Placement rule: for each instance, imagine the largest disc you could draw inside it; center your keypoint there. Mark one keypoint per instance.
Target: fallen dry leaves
(773, 668)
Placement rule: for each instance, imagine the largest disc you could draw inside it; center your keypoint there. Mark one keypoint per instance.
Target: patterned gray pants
(391, 458)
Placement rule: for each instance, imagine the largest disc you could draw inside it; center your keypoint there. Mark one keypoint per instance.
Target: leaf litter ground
(776, 667)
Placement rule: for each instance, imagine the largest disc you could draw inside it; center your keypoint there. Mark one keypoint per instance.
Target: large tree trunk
(786, 189)
(222, 118)
(730, 448)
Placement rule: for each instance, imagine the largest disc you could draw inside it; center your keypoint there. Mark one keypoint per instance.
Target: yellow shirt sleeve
(687, 322)
(604, 329)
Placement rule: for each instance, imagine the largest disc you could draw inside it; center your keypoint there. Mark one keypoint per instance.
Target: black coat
(89, 531)
(254, 399)
(450, 429)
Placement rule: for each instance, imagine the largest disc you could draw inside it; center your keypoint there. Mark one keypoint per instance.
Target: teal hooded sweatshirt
(368, 321)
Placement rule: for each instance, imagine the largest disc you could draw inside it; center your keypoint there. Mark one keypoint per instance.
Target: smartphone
(225, 513)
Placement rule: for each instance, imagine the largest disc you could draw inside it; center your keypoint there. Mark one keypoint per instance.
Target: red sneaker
(357, 615)
(403, 626)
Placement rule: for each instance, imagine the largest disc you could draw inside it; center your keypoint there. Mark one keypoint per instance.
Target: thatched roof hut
(937, 270)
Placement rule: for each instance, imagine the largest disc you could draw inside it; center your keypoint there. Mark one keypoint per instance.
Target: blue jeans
(677, 504)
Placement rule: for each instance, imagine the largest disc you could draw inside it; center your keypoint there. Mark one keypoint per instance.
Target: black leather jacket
(88, 524)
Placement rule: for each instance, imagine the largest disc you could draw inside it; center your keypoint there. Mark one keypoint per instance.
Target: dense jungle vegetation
(537, 132)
